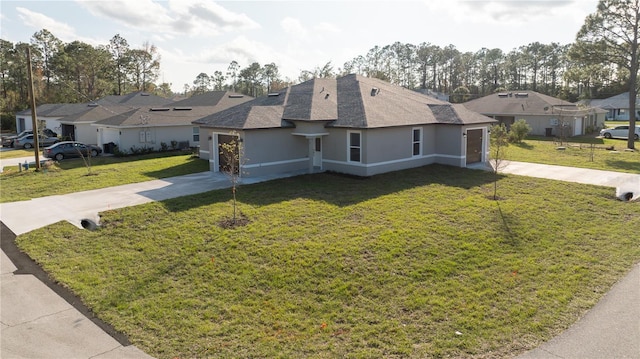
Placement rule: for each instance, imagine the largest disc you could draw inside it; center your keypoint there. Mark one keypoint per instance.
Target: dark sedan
(70, 149)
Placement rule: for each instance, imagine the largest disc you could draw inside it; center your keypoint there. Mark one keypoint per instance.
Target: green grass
(72, 175)
(332, 266)
(577, 153)
(16, 153)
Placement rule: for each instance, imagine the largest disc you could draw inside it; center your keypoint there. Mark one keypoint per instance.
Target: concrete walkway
(41, 320)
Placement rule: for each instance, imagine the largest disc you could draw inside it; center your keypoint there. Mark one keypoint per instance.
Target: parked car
(26, 141)
(7, 141)
(619, 132)
(69, 149)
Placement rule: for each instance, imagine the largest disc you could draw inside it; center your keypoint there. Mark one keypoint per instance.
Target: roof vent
(159, 109)
(375, 91)
(326, 96)
(273, 94)
(182, 108)
(236, 96)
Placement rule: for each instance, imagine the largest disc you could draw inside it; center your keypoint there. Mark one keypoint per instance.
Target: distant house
(617, 106)
(48, 116)
(353, 125)
(73, 120)
(153, 126)
(547, 116)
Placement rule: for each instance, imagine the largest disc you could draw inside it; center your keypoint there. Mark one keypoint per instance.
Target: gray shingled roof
(213, 98)
(157, 116)
(95, 113)
(522, 103)
(134, 99)
(56, 109)
(613, 103)
(352, 101)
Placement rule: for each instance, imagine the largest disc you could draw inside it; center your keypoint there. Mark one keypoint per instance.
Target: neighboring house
(617, 106)
(547, 116)
(48, 116)
(61, 118)
(153, 126)
(353, 125)
(79, 127)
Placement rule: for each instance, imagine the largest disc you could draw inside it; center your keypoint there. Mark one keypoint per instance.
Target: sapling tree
(499, 143)
(232, 157)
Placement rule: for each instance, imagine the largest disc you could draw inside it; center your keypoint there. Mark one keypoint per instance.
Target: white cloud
(181, 17)
(294, 28)
(500, 11)
(40, 21)
(328, 27)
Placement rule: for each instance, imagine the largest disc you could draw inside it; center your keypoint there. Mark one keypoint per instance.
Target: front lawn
(577, 153)
(72, 175)
(418, 263)
(17, 153)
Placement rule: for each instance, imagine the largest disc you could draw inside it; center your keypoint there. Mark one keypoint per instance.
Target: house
(617, 106)
(158, 126)
(72, 120)
(547, 116)
(353, 125)
(48, 116)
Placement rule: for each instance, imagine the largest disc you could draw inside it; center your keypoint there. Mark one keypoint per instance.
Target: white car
(619, 132)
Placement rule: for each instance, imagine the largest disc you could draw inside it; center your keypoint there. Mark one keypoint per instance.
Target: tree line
(75, 71)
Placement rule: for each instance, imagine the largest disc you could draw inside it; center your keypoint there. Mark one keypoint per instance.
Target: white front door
(317, 153)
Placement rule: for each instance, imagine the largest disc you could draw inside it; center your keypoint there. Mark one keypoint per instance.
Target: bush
(140, 150)
(519, 131)
(164, 147)
(8, 122)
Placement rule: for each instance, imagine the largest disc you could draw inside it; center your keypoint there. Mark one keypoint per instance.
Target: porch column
(312, 150)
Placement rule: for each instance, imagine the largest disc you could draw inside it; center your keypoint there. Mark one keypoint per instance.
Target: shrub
(519, 131)
(164, 147)
(140, 150)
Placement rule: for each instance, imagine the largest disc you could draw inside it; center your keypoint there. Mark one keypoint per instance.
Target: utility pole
(34, 119)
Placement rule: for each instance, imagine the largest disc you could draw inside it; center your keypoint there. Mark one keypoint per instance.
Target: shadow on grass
(337, 189)
(193, 164)
(632, 166)
(524, 145)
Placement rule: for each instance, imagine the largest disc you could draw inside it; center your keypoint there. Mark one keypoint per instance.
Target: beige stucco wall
(383, 150)
(130, 137)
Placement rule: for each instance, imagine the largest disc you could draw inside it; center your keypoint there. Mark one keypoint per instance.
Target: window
(355, 154)
(417, 141)
(196, 134)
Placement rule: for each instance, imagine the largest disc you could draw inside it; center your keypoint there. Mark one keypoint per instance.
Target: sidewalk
(37, 322)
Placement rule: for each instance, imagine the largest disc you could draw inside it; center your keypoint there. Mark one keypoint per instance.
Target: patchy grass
(329, 266)
(72, 175)
(577, 153)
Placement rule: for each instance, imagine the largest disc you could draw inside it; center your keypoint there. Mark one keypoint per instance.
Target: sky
(196, 36)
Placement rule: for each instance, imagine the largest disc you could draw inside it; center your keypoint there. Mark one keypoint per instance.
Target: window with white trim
(355, 146)
(196, 134)
(416, 141)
